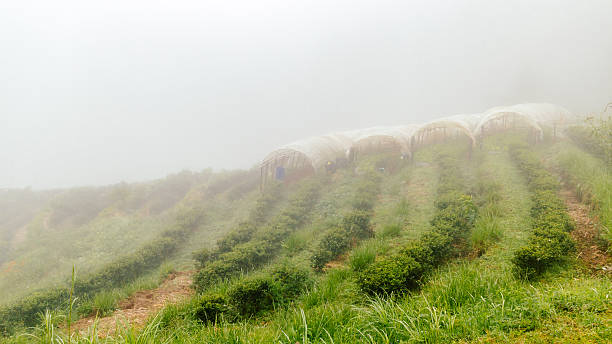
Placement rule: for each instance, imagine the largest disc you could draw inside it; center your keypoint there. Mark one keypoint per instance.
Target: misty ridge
(305, 172)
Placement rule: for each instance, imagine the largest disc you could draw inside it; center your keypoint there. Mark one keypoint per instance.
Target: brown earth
(138, 308)
(586, 234)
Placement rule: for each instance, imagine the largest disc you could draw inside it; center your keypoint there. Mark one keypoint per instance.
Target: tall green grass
(365, 254)
(591, 179)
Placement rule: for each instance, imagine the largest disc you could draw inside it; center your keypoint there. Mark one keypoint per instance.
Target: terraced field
(486, 246)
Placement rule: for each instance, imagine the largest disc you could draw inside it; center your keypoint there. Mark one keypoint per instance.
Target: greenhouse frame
(325, 153)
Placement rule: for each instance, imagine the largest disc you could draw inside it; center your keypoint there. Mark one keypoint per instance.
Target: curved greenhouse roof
(376, 136)
(535, 114)
(317, 151)
(462, 123)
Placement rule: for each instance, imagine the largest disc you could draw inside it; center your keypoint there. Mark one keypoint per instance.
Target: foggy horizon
(99, 93)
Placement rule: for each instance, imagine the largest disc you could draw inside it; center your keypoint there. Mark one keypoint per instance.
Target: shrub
(202, 257)
(263, 244)
(454, 218)
(549, 242)
(333, 243)
(254, 294)
(395, 274)
(292, 281)
(240, 235)
(209, 308)
(357, 225)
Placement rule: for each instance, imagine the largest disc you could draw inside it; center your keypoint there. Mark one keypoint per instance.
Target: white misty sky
(96, 92)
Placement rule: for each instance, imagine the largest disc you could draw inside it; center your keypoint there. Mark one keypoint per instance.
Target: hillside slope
(437, 250)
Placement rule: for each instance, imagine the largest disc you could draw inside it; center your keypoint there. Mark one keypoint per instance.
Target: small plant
(332, 245)
(486, 231)
(296, 242)
(391, 231)
(102, 304)
(363, 256)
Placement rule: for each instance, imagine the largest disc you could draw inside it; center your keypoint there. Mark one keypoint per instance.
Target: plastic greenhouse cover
(320, 149)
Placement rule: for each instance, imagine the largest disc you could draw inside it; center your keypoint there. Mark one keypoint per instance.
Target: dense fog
(101, 92)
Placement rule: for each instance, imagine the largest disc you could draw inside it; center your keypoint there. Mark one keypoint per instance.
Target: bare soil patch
(138, 308)
(586, 234)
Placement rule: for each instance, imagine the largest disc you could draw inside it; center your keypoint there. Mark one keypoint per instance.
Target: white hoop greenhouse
(313, 154)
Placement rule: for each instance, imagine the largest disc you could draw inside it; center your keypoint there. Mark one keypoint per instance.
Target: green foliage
(333, 243)
(550, 242)
(355, 225)
(254, 294)
(363, 255)
(391, 275)
(591, 178)
(202, 257)
(296, 242)
(240, 235)
(391, 231)
(486, 231)
(596, 137)
(210, 308)
(263, 245)
(292, 281)
(120, 272)
(454, 218)
(487, 228)
(102, 304)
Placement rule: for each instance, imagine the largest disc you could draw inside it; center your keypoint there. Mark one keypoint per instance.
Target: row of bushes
(454, 218)
(244, 231)
(26, 312)
(264, 244)
(596, 139)
(355, 225)
(247, 297)
(550, 242)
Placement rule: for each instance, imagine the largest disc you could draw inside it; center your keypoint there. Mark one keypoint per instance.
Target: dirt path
(585, 234)
(138, 308)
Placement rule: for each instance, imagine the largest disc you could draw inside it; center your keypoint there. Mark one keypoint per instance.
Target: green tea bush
(254, 294)
(240, 235)
(550, 242)
(210, 308)
(203, 309)
(354, 226)
(202, 257)
(391, 275)
(454, 218)
(263, 245)
(292, 281)
(357, 224)
(333, 243)
(545, 248)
